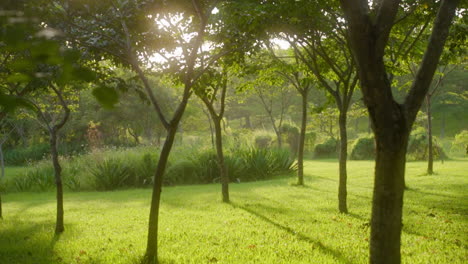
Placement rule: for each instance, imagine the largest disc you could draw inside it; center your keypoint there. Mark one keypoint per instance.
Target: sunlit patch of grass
(266, 222)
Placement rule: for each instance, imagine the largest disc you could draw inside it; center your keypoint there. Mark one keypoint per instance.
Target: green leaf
(18, 78)
(106, 96)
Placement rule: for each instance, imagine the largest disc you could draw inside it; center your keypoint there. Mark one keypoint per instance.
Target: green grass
(267, 222)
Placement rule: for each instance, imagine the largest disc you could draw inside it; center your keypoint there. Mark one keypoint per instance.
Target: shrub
(460, 143)
(257, 164)
(206, 166)
(263, 140)
(281, 161)
(327, 149)
(181, 172)
(290, 133)
(110, 174)
(39, 178)
(22, 155)
(418, 146)
(363, 148)
(309, 143)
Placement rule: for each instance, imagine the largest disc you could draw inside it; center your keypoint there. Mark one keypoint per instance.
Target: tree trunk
(248, 124)
(276, 129)
(2, 175)
(222, 167)
(342, 189)
(59, 228)
(389, 183)
(300, 152)
(430, 158)
(151, 255)
(442, 127)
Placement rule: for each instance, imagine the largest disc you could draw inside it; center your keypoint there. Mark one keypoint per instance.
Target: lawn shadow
(417, 190)
(24, 243)
(300, 236)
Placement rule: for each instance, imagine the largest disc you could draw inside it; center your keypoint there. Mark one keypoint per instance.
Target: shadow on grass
(25, 243)
(300, 236)
(417, 190)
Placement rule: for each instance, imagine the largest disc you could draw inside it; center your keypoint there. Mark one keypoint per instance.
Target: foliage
(327, 149)
(418, 146)
(310, 138)
(363, 148)
(38, 178)
(23, 155)
(291, 135)
(263, 140)
(460, 143)
(110, 174)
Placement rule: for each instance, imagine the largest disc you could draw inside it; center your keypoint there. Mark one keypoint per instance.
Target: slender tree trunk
(222, 167)
(59, 228)
(2, 175)
(430, 158)
(342, 189)
(151, 255)
(1, 213)
(387, 205)
(442, 127)
(211, 128)
(248, 124)
(300, 152)
(276, 129)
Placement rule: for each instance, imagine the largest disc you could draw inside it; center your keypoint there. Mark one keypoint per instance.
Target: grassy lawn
(267, 222)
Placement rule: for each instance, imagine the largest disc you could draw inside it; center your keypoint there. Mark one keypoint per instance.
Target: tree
(52, 121)
(263, 79)
(368, 32)
(125, 33)
(295, 73)
(35, 62)
(212, 91)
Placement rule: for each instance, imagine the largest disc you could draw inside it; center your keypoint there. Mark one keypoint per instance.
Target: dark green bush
(206, 166)
(263, 140)
(327, 149)
(181, 172)
(110, 174)
(141, 169)
(22, 155)
(290, 134)
(418, 148)
(363, 148)
(309, 143)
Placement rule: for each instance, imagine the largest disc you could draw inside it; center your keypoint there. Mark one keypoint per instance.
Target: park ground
(267, 221)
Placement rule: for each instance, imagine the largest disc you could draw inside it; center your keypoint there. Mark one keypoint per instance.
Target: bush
(39, 178)
(327, 149)
(281, 161)
(460, 143)
(181, 172)
(309, 143)
(263, 140)
(22, 155)
(418, 146)
(290, 133)
(363, 148)
(110, 174)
